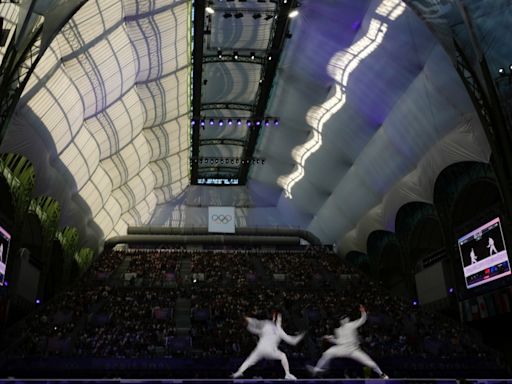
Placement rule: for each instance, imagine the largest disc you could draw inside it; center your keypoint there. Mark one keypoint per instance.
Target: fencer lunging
(270, 333)
(346, 342)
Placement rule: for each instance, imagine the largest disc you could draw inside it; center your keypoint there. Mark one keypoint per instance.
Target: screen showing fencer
(483, 254)
(5, 240)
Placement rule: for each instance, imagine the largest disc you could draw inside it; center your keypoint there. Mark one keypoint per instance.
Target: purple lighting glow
(38, 301)
(356, 25)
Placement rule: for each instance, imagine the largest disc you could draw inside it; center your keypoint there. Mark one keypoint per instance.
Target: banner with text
(221, 219)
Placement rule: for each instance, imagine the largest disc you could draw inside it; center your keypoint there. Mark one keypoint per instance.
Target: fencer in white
(346, 342)
(270, 333)
(491, 246)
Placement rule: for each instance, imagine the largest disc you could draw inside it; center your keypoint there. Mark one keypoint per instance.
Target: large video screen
(483, 254)
(5, 240)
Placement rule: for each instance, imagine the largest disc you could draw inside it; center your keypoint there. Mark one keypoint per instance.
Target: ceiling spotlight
(258, 123)
(193, 122)
(221, 123)
(227, 15)
(202, 122)
(267, 123)
(248, 123)
(235, 55)
(510, 67)
(256, 16)
(209, 10)
(501, 71)
(219, 53)
(269, 57)
(261, 81)
(212, 122)
(239, 15)
(253, 55)
(238, 122)
(293, 13)
(276, 122)
(230, 122)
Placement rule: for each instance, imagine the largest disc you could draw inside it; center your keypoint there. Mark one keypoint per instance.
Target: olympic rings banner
(221, 219)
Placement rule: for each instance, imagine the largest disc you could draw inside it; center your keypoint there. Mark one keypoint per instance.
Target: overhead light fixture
(209, 10)
(219, 53)
(238, 122)
(501, 71)
(193, 122)
(256, 16)
(239, 15)
(276, 122)
(235, 55)
(230, 122)
(267, 123)
(202, 122)
(253, 55)
(221, 123)
(227, 15)
(269, 57)
(293, 13)
(212, 122)
(248, 123)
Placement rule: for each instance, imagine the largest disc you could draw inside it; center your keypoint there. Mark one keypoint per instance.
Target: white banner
(221, 219)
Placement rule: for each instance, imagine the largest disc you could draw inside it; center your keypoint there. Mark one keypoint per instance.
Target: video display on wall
(5, 240)
(483, 254)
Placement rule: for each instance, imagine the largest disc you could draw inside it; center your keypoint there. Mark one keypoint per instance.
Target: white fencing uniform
(270, 334)
(346, 342)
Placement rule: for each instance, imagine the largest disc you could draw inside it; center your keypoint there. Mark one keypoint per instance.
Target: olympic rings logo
(221, 219)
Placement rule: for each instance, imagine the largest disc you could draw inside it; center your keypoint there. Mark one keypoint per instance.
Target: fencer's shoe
(384, 376)
(289, 376)
(236, 375)
(314, 371)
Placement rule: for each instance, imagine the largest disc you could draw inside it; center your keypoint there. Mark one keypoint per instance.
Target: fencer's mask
(344, 320)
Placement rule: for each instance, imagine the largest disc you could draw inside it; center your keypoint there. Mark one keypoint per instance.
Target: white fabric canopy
(370, 105)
